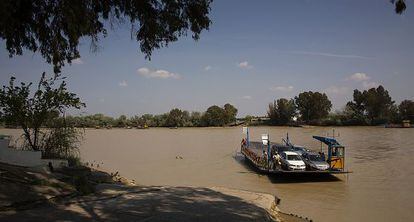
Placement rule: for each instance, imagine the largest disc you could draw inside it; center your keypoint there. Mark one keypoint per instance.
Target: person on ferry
(276, 160)
(322, 156)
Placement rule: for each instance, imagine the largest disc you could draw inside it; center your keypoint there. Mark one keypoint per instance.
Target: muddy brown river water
(381, 187)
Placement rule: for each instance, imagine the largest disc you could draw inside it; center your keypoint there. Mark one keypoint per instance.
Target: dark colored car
(314, 161)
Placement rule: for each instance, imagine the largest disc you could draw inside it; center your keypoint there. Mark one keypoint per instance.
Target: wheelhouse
(336, 153)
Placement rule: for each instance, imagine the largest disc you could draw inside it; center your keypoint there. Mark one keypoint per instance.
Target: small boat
(145, 126)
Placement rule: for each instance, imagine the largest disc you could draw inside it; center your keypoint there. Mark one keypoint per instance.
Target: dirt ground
(30, 195)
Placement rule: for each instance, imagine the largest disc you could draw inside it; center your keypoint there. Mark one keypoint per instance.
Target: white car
(292, 161)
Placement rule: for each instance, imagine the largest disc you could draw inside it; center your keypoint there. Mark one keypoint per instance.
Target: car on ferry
(314, 161)
(292, 161)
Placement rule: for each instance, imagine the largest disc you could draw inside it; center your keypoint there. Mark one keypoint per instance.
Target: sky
(253, 53)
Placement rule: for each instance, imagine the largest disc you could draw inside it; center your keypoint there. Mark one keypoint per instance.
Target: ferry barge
(271, 158)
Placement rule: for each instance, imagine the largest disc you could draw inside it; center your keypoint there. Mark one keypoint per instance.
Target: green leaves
(313, 105)
(281, 111)
(18, 107)
(217, 116)
(230, 113)
(374, 105)
(54, 28)
(177, 118)
(406, 109)
(399, 6)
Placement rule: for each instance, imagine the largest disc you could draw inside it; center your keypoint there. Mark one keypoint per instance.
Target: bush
(62, 141)
(74, 161)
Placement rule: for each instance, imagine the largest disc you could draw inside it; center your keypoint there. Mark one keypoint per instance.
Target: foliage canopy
(312, 105)
(406, 109)
(54, 28)
(281, 111)
(374, 105)
(399, 6)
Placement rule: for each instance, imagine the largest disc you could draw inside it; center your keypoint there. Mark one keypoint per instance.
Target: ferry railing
(260, 162)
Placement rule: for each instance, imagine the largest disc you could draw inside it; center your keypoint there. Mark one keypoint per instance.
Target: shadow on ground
(20, 186)
(146, 204)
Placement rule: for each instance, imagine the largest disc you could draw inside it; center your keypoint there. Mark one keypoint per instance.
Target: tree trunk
(28, 138)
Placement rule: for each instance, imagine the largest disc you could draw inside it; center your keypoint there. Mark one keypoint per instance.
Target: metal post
(321, 148)
(268, 150)
(287, 139)
(248, 140)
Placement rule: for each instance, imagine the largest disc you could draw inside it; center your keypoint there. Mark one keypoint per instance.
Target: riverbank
(63, 196)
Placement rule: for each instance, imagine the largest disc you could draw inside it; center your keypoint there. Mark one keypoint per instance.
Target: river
(379, 189)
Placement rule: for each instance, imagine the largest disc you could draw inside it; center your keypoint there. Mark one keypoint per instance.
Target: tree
(248, 119)
(355, 110)
(230, 112)
(97, 120)
(313, 106)
(146, 119)
(186, 118)
(374, 105)
(55, 27)
(378, 104)
(272, 113)
(399, 6)
(122, 121)
(32, 111)
(175, 118)
(160, 120)
(406, 110)
(195, 118)
(214, 116)
(281, 111)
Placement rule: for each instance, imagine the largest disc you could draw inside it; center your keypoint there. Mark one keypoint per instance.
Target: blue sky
(254, 52)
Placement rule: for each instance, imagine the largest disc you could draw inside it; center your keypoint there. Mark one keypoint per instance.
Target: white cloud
(247, 97)
(77, 61)
(364, 79)
(244, 65)
(359, 77)
(101, 100)
(143, 71)
(281, 88)
(368, 85)
(337, 90)
(207, 68)
(123, 83)
(158, 74)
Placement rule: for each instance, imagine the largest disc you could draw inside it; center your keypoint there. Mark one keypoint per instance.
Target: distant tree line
(369, 107)
(213, 116)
